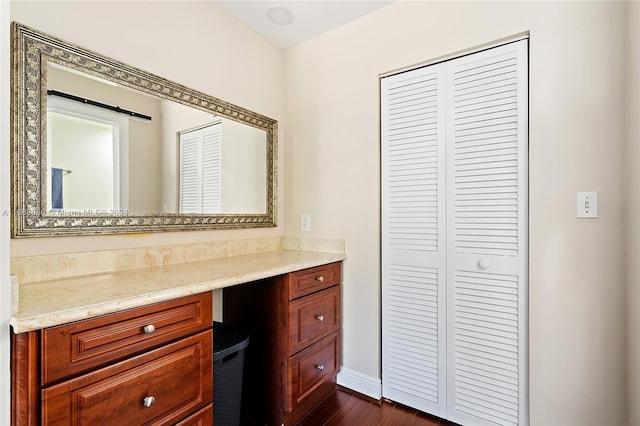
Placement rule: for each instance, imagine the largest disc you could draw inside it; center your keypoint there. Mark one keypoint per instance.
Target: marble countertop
(49, 303)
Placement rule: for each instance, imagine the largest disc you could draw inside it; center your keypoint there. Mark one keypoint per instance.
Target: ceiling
(310, 18)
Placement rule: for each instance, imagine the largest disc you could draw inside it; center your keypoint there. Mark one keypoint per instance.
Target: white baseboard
(361, 383)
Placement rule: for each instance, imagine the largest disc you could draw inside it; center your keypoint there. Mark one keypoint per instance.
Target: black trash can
(228, 364)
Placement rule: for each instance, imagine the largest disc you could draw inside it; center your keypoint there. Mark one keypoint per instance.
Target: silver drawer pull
(320, 278)
(320, 318)
(148, 401)
(320, 367)
(149, 329)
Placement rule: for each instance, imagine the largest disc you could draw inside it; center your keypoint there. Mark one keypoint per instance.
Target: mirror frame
(31, 50)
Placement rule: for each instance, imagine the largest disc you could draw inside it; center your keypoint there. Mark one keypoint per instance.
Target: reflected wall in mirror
(102, 147)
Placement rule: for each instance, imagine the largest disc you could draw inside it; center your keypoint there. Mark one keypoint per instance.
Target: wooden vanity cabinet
(294, 322)
(148, 365)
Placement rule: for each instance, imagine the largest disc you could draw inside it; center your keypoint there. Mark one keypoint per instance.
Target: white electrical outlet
(587, 205)
(305, 222)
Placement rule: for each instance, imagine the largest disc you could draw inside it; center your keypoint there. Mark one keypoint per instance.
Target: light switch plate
(587, 205)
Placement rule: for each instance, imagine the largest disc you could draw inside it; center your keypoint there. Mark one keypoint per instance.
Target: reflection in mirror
(90, 147)
(178, 160)
(100, 147)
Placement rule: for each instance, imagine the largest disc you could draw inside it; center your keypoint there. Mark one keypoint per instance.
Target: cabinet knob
(320, 278)
(320, 367)
(149, 329)
(148, 401)
(320, 318)
(483, 264)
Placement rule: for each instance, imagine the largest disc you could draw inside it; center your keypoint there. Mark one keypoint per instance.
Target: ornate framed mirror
(100, 147)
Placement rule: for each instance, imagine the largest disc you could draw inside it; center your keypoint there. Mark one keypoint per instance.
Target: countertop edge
(22, 324)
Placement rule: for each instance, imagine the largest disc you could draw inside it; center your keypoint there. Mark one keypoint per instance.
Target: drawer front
(159, 387)
(310, 280)
(203, 417)
(74, 348)
(312, 367)
(313, 317)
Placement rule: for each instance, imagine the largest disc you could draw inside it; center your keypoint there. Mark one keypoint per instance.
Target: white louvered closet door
(454, 237)
(487, 236)
(413, 239)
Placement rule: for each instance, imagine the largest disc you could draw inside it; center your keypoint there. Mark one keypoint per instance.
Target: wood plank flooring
(344, 408)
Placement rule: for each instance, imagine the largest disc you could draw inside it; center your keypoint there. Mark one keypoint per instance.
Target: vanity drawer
(158, 387)
(313, 317)
(203, 417)
(311, 368)
(313, 279)
(77, 347)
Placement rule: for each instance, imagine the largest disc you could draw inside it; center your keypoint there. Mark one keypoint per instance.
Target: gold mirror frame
(31, 50)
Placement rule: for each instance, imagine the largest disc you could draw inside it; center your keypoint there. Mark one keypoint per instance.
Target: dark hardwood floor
(344, 408)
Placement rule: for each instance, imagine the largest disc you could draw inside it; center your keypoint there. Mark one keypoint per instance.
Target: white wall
(5, 289)
(195, 44)
(633, 210)
(577, 143)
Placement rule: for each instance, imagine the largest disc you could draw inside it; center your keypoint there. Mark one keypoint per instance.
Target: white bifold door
(454, 237)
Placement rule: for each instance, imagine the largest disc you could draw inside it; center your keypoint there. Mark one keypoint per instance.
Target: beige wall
(633, 210)
(243, 171)
(577, 143)
(244, 168)
(193, 43)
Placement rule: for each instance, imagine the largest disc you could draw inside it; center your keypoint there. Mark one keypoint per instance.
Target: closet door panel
(413, 270)
(212, 169)
(485, 354)
(487, 236)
